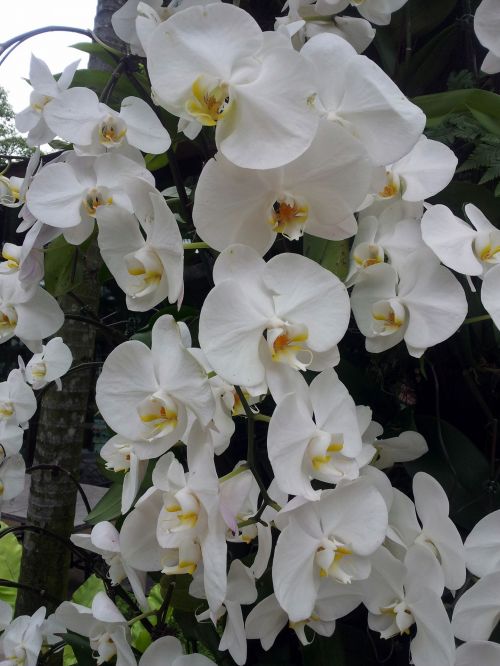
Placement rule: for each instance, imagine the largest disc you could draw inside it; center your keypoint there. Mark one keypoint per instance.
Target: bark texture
(60, 437)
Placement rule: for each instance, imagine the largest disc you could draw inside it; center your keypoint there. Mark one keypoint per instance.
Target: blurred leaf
(466, 484)
(108, 507)
(63, 270)
(198, 631)
(10, 564)
(155, 162)
(93, 48)
(68, 656)
(332, 255)
(81, 648)
(96, 80)
(428, 63)
(84, 595)
(425, 16)
(439, 105)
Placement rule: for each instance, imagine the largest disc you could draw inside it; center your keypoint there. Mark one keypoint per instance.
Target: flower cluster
(311, 138)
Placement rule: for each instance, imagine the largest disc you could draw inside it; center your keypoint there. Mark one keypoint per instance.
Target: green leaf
(81, 648)
(10, 564)
(68, 656)
(332, 255)
(85, 594)
(425, 16)
(92, 48)
(63, 270)
(108, 507)
(460, 468)
(429, 62)
(439, 105)
(198, 631)
(155, 162)
(96, 80)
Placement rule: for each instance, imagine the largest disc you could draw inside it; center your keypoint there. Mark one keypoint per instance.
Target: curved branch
(39, 31)
(58, 468)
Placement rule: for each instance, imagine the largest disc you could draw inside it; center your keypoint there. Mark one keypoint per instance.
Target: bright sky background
(20, 16)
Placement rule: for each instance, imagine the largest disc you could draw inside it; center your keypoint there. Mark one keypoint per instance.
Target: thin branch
(39, 31)
(98, 324)
(251, 450)
(58, 468)
(113, 80)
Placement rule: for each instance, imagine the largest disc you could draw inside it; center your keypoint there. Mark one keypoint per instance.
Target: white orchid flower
(148, 269)
(284, 298)
(136, 19)
(487, 29)
(482, 546)
(120, 456)
(79, 117)
(477, 611)
(167, 651)
(317, 193)
(104, 626)
(392, 236)
(400, 595)
(375, 11)
(45, 90)
(17, 405)
(24, 261)
(301, 449)
(408, 445)
(425, 171)
(177, 524)
(335, 600)
(356, 31)
(355, 92)
(31, 315)
(208, 66)
(490, 291)
(333, 537)
(68, 194)
(22, 640)
(478, 652)
(467, 250)
(104, 540)
(49, 365)
(425, 307)
(146, 394)
(436, 531)
(241, 591)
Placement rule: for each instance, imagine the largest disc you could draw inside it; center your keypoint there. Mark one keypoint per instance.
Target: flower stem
(475, 320)
(262, 417)
(251, 450)
(196, 246)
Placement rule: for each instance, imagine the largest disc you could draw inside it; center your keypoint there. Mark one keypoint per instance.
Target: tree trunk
(61, 426)
(60, 437)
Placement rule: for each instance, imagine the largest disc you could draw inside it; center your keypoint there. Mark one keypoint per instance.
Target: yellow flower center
(209, 102)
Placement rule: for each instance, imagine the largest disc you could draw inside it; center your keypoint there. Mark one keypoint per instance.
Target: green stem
(475, 320)
(196, 246)
(142, 616)
(262, 417)
(235, 472)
